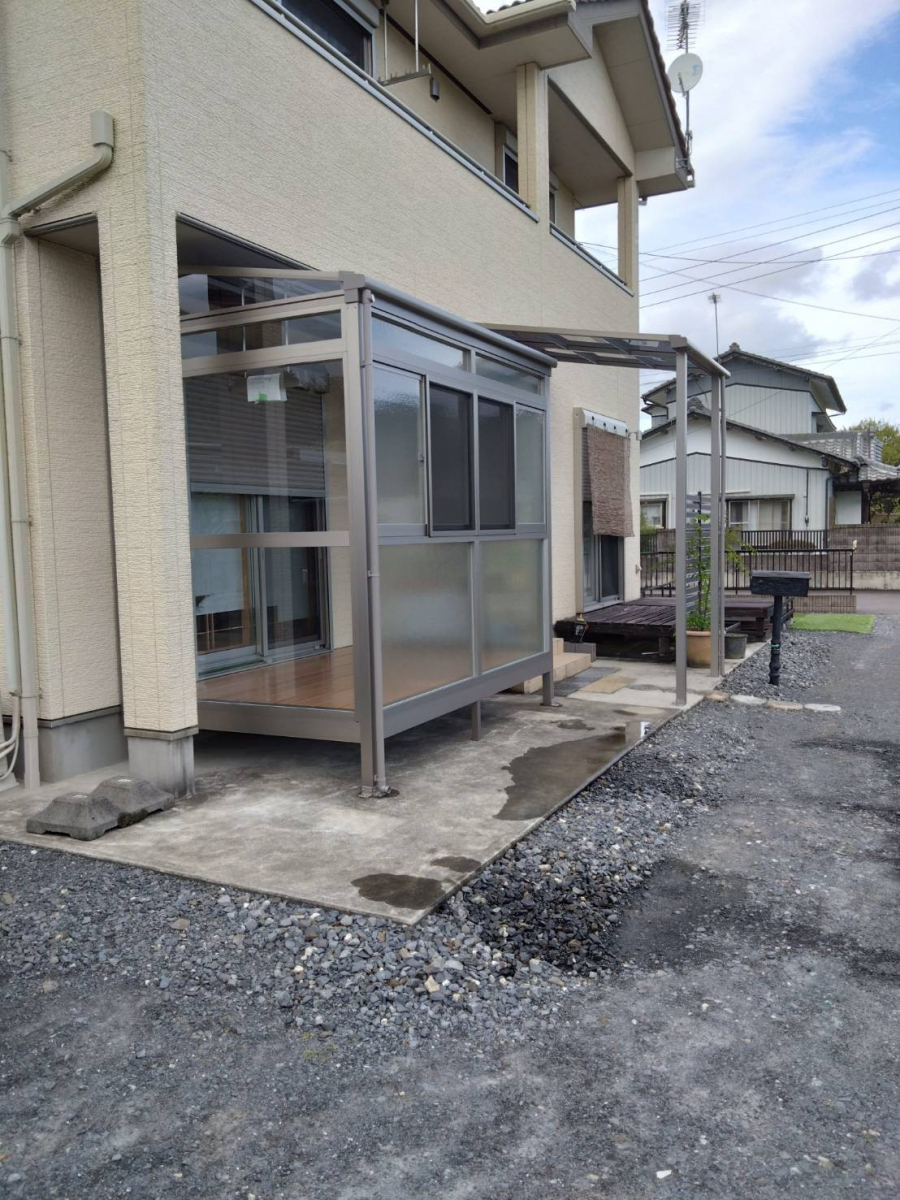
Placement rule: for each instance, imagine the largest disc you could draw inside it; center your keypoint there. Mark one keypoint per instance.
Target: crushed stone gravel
(804, 665)
(500, 953)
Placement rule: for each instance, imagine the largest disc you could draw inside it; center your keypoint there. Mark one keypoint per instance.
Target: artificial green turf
(841, 622)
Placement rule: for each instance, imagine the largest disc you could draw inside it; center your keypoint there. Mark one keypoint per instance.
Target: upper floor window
(510, 168)
(337, 25)
(553, 193)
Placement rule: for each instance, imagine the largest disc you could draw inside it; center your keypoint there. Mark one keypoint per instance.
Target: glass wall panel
(529, 466)
(496, 458)
(264, 632)
(200, 293)
(492, 368)
(239, 442)
(387, 336)
(512, 590)
(265, 615)
(451, 458)
(262, 335)
(399, 448)
(426, 616)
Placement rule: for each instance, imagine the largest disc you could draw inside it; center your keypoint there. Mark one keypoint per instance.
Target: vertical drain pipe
(13, 481)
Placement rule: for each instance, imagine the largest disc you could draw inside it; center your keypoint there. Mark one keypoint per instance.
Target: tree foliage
(889, 434)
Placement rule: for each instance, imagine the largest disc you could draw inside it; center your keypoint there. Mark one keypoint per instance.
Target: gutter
(16, 580)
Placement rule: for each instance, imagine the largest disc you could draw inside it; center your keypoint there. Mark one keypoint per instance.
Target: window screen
(496, 459)
(451, 459)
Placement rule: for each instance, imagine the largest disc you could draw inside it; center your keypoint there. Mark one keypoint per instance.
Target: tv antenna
(683, 18)
(715, 299)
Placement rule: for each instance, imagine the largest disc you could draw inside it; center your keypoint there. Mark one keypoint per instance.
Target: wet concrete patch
(545, 775)
(457, 862)
(576, 724)
(401, 891)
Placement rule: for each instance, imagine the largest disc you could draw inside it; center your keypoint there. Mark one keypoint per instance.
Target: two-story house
(784, 455)
(188, 405)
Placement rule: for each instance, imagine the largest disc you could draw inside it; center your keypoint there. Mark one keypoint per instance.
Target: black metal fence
(831, 570)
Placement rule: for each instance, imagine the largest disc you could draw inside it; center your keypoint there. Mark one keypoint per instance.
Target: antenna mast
(715, 299)
(683, 18)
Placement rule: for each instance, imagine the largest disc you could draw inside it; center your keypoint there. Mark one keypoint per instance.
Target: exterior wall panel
(355, 187)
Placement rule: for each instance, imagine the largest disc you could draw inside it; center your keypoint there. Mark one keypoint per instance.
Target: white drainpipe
(15, 549)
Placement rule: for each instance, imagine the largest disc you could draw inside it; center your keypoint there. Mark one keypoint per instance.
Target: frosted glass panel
(511, 601)
(426, 617)
(399, 448)
(529, 466)
(506, 373)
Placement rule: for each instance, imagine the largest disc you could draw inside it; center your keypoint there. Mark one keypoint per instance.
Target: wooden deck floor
(654, 617)
(316, 681)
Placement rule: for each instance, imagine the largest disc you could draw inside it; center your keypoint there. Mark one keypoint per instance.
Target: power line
(846, 312)
(821, 245)
(778, 220)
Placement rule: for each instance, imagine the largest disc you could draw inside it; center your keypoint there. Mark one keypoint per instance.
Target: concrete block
(134, 799)
(77, 814)
(113, 804)
(822, 708)
(751, 700)
(784, 705)
(718, 696)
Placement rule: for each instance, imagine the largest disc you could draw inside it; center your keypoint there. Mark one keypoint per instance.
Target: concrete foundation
(166, 759)
(284, 816)
(73, 745)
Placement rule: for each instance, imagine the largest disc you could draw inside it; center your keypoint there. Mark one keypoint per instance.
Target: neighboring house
(187, 542)
(788, 466)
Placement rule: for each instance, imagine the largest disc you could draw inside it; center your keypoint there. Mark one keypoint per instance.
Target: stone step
(565, 664)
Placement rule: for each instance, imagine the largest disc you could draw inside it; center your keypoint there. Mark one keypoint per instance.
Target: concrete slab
(652, 683)
(283, 816)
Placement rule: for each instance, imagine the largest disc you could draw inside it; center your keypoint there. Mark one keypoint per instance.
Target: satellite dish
(685, 72)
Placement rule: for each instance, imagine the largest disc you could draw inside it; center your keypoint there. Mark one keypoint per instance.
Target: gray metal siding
(748, 479)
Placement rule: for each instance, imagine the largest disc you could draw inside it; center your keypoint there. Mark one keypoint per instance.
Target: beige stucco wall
(68, 475)
(455, 115)
(355, 188)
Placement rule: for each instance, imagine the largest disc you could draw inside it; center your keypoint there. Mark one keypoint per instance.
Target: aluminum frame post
(723, 522)
(681, 371)
(716, 605)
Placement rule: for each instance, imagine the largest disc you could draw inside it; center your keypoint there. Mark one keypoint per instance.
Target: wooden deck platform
(654, 617)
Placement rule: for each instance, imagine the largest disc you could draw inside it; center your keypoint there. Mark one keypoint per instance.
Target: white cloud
(785, 122)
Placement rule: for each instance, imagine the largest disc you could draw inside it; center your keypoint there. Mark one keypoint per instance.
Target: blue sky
(798, 110)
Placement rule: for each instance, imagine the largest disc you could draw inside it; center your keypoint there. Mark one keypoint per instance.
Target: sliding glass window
(450, 415)
(496, 464)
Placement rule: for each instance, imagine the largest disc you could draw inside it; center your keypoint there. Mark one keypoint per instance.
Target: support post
(547, 700)
(716, 607)
(681, 371)
(364, 570)
(475, 709)
(533, 138)
(627, 205)
(775, 658)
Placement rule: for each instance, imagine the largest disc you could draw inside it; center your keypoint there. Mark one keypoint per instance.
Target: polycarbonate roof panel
(641, 350)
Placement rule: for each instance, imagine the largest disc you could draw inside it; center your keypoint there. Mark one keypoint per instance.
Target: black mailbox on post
(778, 584)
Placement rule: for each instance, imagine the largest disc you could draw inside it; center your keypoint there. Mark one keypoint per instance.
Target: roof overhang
(599, 348)
(483, 50)
(625, 37)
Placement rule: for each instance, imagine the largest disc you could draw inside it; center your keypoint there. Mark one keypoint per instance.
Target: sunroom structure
(369, 491)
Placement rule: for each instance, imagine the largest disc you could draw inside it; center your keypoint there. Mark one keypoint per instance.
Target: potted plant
(699, 638)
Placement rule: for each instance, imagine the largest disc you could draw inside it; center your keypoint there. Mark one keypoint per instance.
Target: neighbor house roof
(697, 409)
(834, 400)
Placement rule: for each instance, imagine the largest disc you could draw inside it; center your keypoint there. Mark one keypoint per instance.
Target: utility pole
(714, 299)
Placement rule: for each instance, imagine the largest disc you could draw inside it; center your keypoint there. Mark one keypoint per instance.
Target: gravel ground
(682, 984)
(805, 659)
(502, 950)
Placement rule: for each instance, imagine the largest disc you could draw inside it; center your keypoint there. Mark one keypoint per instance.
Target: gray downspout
(15, 536)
